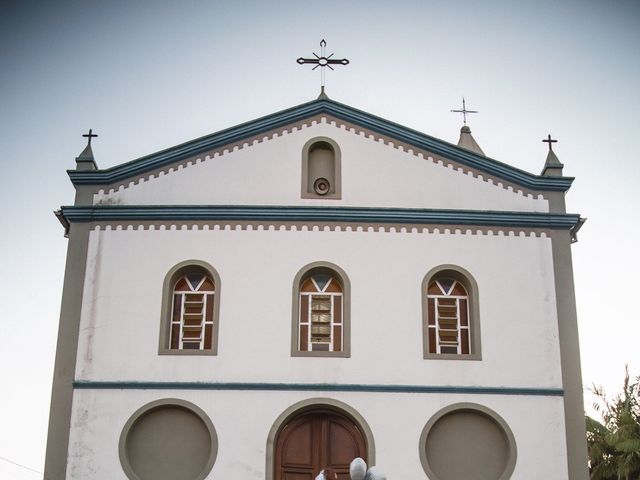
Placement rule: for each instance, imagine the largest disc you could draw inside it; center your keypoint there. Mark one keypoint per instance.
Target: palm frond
(614, 443)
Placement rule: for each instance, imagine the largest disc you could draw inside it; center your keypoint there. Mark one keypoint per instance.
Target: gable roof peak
(323, 95)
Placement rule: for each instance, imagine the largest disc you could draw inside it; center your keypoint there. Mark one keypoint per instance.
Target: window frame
(123, 451)
(479, 410)
(468, 282)
(306, 189)
(298, 280)
(177, 272)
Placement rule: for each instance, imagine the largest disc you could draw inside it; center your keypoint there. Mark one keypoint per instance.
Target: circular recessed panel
(468, 444)
(168, 441)
(321, 186)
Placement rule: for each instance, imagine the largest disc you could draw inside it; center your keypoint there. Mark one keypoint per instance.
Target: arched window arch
(321, 310)
(190, 306)
(451, 323)
(321, 169)
(310, 405)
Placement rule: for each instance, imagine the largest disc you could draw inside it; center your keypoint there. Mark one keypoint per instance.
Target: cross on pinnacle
(464, 111)
(89, 135)
(549, 141)
(322, 60)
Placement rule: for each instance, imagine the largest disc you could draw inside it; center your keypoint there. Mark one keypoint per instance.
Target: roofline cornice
(305, 110)
(109, 213)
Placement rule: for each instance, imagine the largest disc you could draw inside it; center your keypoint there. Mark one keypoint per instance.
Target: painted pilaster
(84, 195)
(66, 349)
(570, 357)
(556, 202)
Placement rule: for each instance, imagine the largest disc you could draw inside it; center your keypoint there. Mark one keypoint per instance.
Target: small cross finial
(549, 141)
(464, 111)
(322, 60)
(89, 135)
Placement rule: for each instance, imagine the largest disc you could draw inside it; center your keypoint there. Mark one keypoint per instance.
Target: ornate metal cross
(322, 60)
(464, 111)
(89, 135)
(549, 141)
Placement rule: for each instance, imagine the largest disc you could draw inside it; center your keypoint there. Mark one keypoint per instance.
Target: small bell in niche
(321, 186)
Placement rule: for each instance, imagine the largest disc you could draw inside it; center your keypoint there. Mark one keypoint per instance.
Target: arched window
(190, 310)
(321, 169)
(451, 324)
(448, 304)
(321, 312)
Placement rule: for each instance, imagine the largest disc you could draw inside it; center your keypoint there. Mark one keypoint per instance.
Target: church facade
(313, 286)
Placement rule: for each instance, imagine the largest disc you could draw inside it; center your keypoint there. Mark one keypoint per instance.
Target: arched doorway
(316, 439)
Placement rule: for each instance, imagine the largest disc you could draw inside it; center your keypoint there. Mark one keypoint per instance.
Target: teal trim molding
(105, 213)
(315, 387)
(310, 109)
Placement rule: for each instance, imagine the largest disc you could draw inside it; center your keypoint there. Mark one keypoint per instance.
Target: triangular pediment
(265, 127)
(376, 171)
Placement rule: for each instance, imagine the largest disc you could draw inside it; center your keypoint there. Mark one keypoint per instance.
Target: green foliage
(614, 443)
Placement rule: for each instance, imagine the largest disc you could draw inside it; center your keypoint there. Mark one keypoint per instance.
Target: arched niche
(168, 439)
(321, 169)
(467, 440)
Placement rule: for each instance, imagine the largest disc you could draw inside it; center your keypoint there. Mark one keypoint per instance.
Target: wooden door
(315, 440)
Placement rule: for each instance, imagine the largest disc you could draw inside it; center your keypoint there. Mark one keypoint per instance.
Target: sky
(147, 75)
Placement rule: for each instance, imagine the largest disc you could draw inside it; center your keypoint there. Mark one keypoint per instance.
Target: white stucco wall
(122, 301)
(243, 420)
(374, 174)
(126, 267)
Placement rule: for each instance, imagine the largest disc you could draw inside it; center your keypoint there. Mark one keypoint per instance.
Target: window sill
(167, 351)
(452, 356)
(298, 353)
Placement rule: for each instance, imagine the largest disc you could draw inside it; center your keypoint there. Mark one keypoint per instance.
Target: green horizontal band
(320, 214)
(315, 387)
